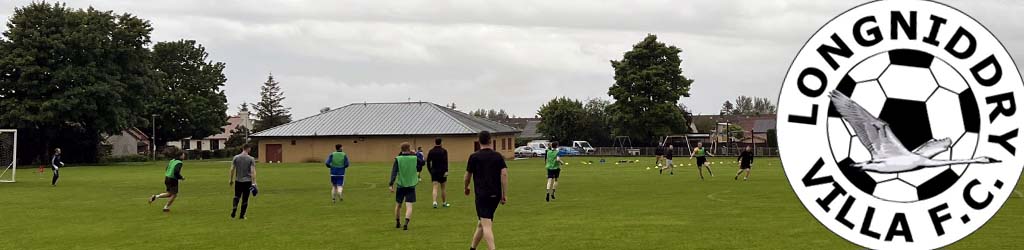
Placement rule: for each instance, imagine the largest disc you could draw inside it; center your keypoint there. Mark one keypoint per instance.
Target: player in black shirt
(489, 174)
(437, 165)
(746, 159)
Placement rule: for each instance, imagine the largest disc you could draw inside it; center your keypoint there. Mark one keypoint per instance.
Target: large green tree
(648, 84)
(562, 119)
(270, 110)
(70, 75)
(190, 101)
(597, 127)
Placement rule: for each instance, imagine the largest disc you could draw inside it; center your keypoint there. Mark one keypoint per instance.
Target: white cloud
(514, 55)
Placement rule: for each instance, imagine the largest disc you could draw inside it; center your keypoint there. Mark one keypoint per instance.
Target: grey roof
(405, 118)
(762, 126)
(530, 130)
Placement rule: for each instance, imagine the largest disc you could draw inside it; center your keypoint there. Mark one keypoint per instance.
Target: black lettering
(1003, 140)
(841, 216)
(898, 22)
(836, 191)
(874, 32)
(899, 220)
(827, 51)
(810, 120)
(809, 179)
(970, 200)
(1007, 110)
(936, 23)
(989, 61)
(938, 219)
(865, 226)
(971, 44)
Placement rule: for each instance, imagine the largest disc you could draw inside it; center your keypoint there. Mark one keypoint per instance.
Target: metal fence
(681, 151)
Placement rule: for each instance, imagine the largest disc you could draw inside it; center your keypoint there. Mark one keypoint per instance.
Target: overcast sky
(514, 55)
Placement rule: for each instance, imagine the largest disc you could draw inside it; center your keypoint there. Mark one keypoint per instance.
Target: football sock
(398, 223)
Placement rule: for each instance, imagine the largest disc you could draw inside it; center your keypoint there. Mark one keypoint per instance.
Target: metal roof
(404, 118)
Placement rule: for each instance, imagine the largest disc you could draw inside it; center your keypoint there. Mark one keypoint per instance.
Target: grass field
(600, 206)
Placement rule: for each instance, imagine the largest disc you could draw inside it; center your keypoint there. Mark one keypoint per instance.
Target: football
(922, 98)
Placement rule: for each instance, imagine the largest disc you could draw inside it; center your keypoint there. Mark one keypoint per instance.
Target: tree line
(645, 101)
(70, 76)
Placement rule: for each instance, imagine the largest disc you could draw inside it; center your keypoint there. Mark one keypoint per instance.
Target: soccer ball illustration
(922, 98)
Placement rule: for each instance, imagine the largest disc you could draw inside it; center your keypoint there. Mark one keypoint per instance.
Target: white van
(584, 147)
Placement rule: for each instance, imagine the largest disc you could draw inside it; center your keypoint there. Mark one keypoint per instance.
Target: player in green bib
(172, 174)
(405, 175)
(553, 162)
(701, 154)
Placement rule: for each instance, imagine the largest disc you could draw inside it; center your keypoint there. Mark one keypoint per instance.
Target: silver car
(525, 151)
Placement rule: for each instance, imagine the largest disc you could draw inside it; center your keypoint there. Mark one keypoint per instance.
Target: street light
(152, 141)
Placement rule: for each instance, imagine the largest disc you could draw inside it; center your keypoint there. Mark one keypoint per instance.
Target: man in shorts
(489, 174)
(437, 165)
(172, 174)
(56, 163)
(701, 155)
(669, 154)
(243, 177)
(405, 175)
(337, 161)
(746, 159)
(553, 162)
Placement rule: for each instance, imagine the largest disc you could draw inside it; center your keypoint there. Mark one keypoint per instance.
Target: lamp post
(152, 141)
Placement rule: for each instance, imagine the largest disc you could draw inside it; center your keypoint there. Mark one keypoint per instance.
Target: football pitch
(599, 206)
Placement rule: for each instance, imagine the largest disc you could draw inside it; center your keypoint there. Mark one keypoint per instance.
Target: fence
(681, 151)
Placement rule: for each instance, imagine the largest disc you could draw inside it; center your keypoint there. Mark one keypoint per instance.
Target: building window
(215, 145)
(186, 144)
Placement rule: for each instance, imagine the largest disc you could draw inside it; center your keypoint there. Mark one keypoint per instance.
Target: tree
(270, 110)
(727, 108)
(244, 107)
(687, 117)
(648, 84)
(597, 126)
(239, 136)
(746, 105)
(325, 110)
(70, 75)
(562, 120)
(190, 99)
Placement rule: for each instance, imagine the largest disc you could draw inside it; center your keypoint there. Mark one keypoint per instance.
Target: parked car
(525, 151)
(584, 147)
(568, 151)
(539, 148)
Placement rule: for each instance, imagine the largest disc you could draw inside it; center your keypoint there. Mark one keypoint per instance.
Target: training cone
(648, 168)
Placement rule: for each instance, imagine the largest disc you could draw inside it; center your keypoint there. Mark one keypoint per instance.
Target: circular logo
(898, 125)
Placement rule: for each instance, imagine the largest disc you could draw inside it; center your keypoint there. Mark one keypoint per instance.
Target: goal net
(8, 154)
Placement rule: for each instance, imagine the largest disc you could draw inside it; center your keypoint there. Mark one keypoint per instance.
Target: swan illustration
(888, 155)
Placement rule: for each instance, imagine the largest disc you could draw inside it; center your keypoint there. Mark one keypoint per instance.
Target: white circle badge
(898, 125)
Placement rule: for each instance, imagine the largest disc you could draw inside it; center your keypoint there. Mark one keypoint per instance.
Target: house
(528, 126)
(372, 132)
(131, 141)
(218, 141)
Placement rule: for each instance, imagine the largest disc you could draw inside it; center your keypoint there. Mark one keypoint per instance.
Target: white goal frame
(13, 168)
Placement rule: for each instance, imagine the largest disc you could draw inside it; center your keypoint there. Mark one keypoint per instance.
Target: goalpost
(8, 154)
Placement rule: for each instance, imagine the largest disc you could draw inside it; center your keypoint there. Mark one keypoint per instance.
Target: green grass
(599, 207)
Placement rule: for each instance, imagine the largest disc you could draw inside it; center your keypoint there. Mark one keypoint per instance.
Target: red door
(273, 153)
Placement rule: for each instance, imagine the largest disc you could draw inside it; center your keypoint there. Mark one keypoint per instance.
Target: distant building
(755, 127)
(528, 127)
(372, 132)
(218, 141)
(130, 141)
